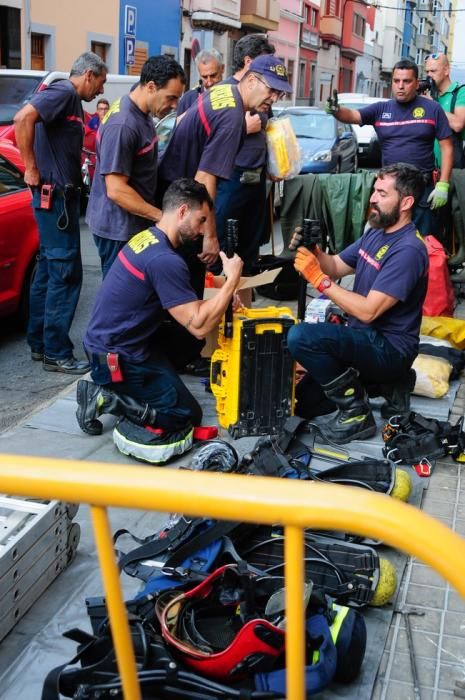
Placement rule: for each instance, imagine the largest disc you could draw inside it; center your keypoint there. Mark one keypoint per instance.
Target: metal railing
(294, 504)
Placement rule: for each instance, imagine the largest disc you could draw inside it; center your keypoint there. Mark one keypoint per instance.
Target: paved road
(23, 383)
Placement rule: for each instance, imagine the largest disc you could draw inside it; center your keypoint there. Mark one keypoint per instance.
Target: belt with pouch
(250, 176)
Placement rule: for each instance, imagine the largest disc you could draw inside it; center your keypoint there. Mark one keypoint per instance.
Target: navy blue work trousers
(155, 382)
(247, 204)
(327, 350)
(57, 283)
(108, 250)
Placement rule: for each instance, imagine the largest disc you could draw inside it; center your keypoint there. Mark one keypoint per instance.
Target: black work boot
(397, 396)
(353, 419)
(93, 400)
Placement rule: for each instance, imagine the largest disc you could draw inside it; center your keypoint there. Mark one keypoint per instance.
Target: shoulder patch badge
(381, 252)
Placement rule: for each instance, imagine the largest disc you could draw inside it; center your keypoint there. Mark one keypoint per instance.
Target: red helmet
(219, 627)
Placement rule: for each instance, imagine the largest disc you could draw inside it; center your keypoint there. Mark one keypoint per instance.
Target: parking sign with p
(130, 20)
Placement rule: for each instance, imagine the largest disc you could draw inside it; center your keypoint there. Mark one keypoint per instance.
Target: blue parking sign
(129, 50)
(130, 20)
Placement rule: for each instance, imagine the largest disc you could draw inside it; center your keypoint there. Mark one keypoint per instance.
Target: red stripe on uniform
(203, 116)
(129, 267)
(148, 148)
(72, 118)
(369, 259)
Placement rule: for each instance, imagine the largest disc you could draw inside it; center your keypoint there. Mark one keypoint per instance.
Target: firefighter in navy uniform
(243, 196)
(407, 127)
(381, 341)
(122, 198)
(204, 145)
(49, 133)
(132, 368)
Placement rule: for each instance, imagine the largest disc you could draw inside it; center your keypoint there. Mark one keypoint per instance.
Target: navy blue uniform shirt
(395, 264)
(208, 136)
(147, 277)
(59, 135)
(406, 131)
(126, 145)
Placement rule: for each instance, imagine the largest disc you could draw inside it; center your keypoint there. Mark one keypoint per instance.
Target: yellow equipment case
(252, 373)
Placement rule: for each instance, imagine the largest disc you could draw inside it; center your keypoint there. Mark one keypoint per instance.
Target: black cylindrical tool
(311, 237)
(231, 243)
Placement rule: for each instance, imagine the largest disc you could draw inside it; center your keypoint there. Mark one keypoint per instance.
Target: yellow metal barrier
(294, 504)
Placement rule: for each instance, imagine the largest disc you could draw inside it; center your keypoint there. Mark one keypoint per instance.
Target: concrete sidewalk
(35, 645)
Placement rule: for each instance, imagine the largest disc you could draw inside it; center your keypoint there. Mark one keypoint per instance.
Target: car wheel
(23, 309)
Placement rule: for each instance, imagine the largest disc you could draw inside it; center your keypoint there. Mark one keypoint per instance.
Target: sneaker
(69, 366)
(37, 356)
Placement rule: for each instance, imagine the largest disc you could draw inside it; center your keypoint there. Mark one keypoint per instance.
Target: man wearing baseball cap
(243, 196)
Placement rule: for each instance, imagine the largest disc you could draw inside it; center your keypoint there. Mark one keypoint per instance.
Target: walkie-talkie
(232, 227)
(311, 237)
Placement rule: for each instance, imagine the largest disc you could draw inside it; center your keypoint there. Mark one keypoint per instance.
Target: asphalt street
(24, 386)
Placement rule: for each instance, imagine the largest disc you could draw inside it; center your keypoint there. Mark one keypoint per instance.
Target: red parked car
(19, 237)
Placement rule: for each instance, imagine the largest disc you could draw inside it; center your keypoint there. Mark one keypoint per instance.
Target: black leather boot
(93, 400)
(397, 396)
(353, 420)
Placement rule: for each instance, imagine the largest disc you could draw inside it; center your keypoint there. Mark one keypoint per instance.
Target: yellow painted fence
(294, 504)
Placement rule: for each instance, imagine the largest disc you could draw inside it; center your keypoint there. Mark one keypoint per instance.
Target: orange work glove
(309, 267)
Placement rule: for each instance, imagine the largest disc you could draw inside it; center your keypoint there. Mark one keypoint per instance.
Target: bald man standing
(451, 97)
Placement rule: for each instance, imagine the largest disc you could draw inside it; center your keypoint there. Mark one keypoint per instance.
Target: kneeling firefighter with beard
(380, 342)
(146, 323)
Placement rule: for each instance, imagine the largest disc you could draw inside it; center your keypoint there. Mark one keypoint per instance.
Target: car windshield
(312, 125)
(15, 91)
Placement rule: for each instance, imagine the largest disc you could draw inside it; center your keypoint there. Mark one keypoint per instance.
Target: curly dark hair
(161, 69)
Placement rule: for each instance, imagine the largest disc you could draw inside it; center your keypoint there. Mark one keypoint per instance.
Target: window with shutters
(37, 51)
(100, 49)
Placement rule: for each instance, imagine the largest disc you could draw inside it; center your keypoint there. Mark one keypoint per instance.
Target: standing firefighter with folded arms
(49, 132)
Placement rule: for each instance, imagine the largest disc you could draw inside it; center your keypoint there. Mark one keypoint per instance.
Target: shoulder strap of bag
(454, 97)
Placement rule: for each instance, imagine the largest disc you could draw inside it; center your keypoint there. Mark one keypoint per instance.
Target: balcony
(216, 15)
(331, 29)
(261, 15)
(423, 42)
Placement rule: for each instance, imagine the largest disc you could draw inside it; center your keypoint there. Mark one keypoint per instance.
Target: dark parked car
(19, 238)
(327, 145)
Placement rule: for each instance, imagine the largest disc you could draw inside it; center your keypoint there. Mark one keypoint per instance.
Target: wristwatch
(324, 284)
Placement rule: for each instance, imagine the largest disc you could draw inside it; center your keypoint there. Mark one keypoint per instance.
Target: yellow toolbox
(252, 373)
